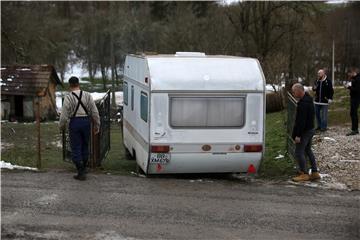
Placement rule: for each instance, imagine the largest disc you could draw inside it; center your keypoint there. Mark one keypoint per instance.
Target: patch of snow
(280, 156)
(270, 88)
(119, 98)
(23, 69)
(3, 69)
(9, 79)
(83, 81)
(97, 95)
(10, 166)
(57, 144)
(2, 84)
(138, 175)
(330, 139)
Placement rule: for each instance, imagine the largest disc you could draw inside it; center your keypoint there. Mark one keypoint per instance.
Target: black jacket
(305, 114)
(324, 90)
(355, 86)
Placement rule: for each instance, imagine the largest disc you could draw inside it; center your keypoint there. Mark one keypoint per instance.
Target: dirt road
(52, 205)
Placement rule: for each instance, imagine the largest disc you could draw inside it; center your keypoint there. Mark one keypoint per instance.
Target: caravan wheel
(128, 155)
(139, 171)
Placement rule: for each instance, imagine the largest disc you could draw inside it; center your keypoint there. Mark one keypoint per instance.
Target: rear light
(160, 149)
(251, 169)
(252, 148)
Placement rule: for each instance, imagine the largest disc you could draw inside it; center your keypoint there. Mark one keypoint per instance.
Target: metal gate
(291, 115)
(99, 143)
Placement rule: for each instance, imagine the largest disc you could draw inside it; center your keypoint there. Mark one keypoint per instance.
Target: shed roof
(27, 80)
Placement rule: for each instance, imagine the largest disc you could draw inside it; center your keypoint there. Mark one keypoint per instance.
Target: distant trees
(291, 39)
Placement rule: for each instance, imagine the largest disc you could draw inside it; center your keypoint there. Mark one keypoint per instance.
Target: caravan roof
(201, 72)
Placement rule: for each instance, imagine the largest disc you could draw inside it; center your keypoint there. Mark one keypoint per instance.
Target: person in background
(354, 88)
(79, 107)
(303, 133)
(323, 97)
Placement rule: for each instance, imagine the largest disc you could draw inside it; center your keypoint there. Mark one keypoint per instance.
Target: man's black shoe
(352, 133)
(80, 177)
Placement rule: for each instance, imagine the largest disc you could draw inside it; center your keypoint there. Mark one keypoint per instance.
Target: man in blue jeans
(303, 133)
(79, 107)
(323, 97)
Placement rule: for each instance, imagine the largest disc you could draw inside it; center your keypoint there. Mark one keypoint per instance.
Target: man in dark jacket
(354, 88)
(303, 133)
(323, 97)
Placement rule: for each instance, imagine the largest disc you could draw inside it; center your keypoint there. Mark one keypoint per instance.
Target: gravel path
(338, 157)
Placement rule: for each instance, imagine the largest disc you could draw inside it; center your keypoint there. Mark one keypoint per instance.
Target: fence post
(38, 164)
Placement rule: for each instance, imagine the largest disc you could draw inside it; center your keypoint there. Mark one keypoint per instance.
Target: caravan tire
(139, 170)
(128, 155)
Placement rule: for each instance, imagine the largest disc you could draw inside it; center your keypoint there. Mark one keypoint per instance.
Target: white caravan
(194, 113)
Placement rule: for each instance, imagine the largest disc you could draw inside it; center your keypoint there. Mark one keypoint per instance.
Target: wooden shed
(22, 86)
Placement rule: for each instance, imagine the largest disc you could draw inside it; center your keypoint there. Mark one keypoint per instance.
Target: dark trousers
(303, 149)
(354, 105)
(79, 131)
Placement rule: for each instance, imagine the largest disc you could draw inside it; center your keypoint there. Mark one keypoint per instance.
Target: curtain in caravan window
(144, 106)
(132, 98)
(207, 112)
(126, 93)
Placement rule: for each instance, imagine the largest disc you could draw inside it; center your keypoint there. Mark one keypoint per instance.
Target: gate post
(38, 163)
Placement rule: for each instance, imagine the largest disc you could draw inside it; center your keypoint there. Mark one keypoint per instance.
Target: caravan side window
(126, 93)
(144, 106)
(132, 98)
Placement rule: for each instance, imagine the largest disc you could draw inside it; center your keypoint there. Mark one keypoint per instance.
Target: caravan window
(126, 93)
(132, 98)
(144, 106)
(201, 112)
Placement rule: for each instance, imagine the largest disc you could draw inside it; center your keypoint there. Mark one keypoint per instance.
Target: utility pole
(112, 56)
(333, 63)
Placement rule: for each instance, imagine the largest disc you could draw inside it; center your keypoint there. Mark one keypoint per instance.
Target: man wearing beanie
(79, 107)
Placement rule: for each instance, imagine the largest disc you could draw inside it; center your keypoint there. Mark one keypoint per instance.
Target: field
(19, 142)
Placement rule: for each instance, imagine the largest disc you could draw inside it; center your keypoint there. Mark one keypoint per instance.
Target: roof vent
(190, 54)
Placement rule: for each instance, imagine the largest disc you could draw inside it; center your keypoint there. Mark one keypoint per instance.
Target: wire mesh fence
(20, 144)
(291, 115)
(40, 144)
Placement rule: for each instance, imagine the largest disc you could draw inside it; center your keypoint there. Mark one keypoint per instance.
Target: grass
(339, 110)
(115, 161)
(275, 145)
(20, 141)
